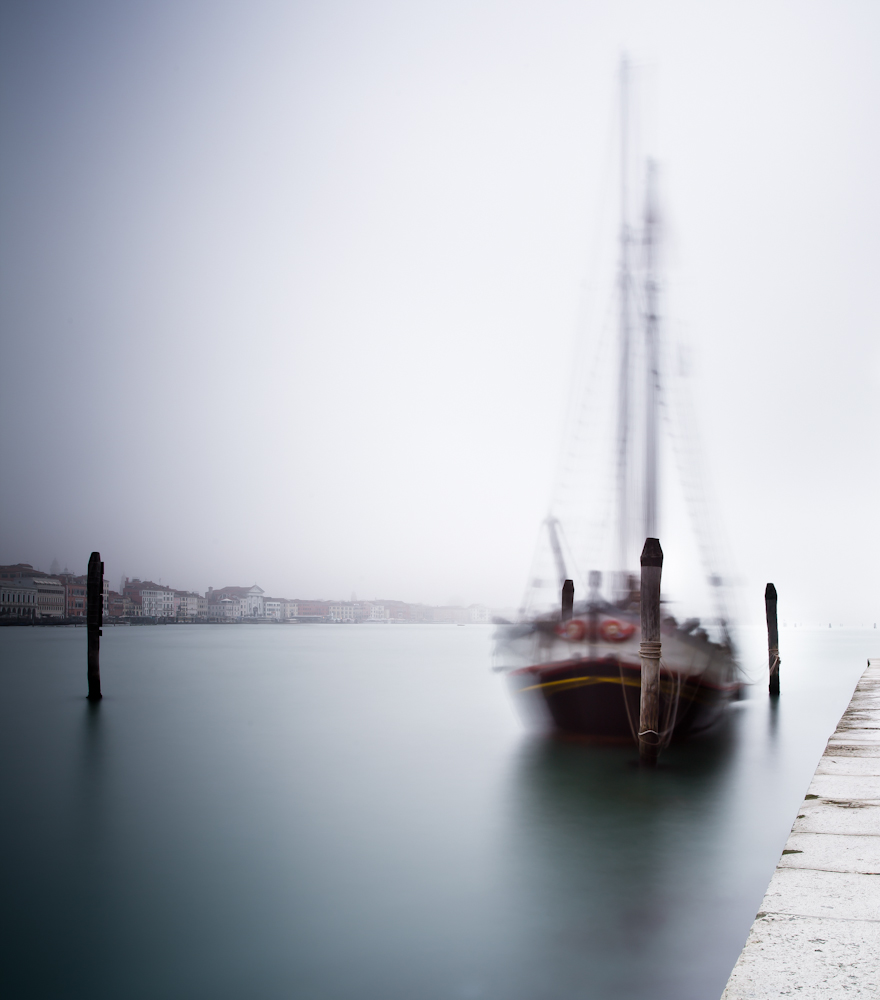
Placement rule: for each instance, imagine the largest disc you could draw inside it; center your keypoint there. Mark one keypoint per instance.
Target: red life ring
(574, 629)
(612, 630)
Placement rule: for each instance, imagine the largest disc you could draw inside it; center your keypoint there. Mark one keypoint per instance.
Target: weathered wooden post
(649, 652)
(593, 606)
(567, 599)
(772, 637)
(94, 614)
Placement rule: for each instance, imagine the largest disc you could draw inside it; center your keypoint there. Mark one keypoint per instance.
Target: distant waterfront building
(399, 611)
(312, 609)
(74, 595)
(458, 616)
(342, 612)
(248, 600)
(114, 606)
(18, 599)
(50, 597)
(20, 571)
(25, 588)
(279, 608)
(157, 602)
(152, 599)
(421, 613)
(186, 604)
(224, 607)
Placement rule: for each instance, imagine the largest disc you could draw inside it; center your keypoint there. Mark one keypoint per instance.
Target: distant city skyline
(29, 592)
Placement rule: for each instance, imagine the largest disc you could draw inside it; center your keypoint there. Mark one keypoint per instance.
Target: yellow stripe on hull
(573, 682)
(570, 683)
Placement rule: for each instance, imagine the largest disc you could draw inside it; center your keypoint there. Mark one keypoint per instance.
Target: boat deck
(817, 933)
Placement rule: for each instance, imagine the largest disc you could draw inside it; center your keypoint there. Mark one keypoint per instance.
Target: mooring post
(94, 614)
(593, 605)
(567, 599)
(649, 652)
(772, 637)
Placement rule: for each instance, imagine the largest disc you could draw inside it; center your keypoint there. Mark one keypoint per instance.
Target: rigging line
(581, 400)
(680, 420)
(624, 333)
(581, 356)
(576, 571)
(593, 532)
(581, 387)
(637, 296)
(526, 603)
(600, 213)
(672, 706)
(632, 727)
(696, 494)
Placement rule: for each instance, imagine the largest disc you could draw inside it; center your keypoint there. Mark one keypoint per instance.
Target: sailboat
(576, 668)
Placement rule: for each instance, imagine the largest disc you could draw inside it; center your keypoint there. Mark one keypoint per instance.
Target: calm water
(355, 812)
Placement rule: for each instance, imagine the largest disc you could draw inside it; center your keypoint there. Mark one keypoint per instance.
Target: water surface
(355, 812)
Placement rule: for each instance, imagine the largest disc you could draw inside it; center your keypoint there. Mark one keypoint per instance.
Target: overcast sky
(291, 292)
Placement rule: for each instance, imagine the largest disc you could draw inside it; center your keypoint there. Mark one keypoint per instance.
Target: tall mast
(651, 355)
(623, 403)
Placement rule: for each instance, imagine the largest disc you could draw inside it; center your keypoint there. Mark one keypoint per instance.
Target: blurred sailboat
(577, 668)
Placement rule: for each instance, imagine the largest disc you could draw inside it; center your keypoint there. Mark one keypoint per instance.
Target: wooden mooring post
(567, 599)
(772, 638)
(94, 614)
(649, 652)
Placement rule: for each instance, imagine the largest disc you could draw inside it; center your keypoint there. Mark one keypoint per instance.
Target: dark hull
(600, 699)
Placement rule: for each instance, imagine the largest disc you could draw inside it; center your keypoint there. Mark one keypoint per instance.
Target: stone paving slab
(801, 957)
(843, 815)
(848, 786)
(817, 934)
(863, 714)
(854, 735)
(811, 893)
(832, 853)
(842, 748)
(849, 765)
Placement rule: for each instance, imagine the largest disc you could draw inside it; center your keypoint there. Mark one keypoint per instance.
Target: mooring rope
(664, 737)
(632, 727)
(649, 650)
(672, 707)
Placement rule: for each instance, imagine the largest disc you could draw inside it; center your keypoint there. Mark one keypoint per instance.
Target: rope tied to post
(774, 666)
(671, 687)
(650, 650)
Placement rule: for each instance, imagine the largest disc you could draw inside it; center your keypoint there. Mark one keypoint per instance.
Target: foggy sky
(291, 291)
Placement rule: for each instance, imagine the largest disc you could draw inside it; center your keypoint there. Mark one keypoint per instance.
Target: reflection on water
(617, 858)
(326, 812)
